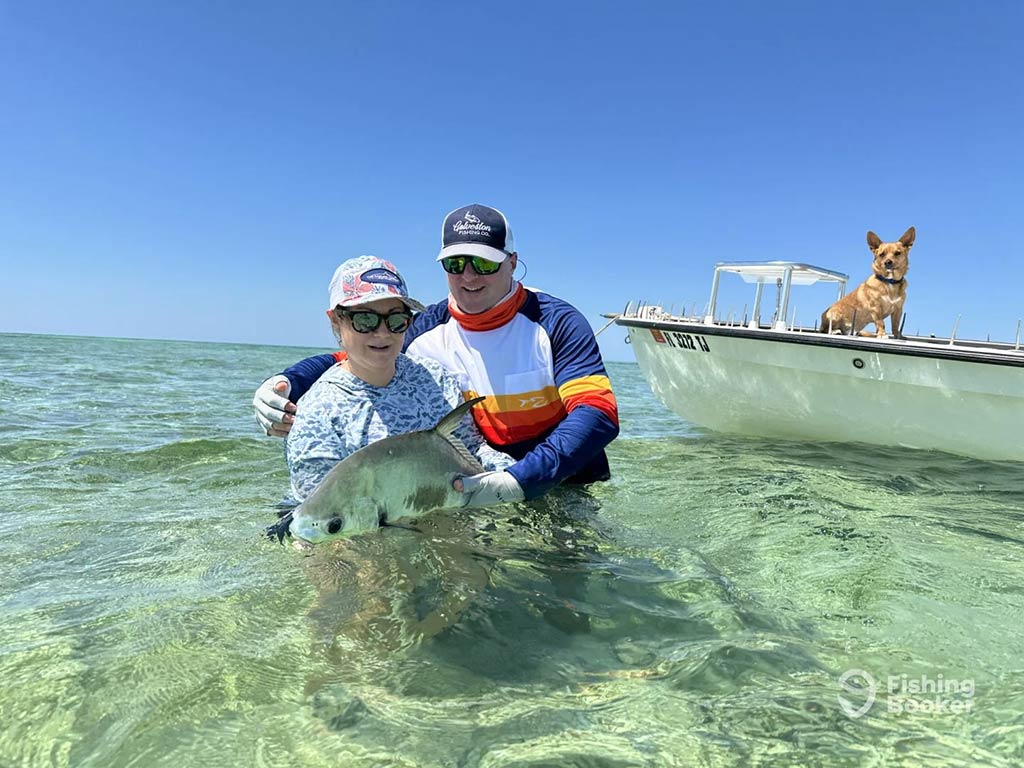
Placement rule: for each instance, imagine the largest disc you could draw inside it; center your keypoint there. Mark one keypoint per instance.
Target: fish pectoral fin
(382, 521)
(401, 526)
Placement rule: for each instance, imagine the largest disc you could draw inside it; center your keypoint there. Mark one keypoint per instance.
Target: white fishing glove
(273, 408)
(489, 488)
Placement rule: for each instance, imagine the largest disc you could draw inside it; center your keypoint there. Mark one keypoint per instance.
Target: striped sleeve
(595, 391)
(592, 416)
(579, 371)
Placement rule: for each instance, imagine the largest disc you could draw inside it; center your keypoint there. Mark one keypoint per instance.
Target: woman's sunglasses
(367, 321)
(456, 265)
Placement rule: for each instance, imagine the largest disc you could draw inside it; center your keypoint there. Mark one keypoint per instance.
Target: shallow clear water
(697, 610)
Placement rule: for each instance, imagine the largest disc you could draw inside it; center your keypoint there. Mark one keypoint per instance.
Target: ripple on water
(33, 450)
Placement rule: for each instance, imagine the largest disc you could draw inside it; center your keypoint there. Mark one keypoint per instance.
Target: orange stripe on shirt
(502, 430)
(519, 402)
(584, 384)
(505, 419)
(595, 391)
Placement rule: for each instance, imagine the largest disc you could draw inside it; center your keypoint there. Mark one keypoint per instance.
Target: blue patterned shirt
(341, 413)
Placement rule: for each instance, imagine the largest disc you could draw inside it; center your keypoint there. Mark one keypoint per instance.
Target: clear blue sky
(196, 170)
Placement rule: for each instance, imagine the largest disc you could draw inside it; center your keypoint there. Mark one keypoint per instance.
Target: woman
(375, 391)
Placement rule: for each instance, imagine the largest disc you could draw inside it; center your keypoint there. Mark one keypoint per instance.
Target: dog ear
(908, 237)
(873, 240)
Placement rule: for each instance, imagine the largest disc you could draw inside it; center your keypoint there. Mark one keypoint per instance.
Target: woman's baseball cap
(368, 278)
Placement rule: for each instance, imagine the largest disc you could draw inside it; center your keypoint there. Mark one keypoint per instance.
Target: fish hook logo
(858, 682)
(472, 225)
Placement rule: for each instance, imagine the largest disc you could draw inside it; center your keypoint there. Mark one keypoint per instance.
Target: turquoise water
(699, 609)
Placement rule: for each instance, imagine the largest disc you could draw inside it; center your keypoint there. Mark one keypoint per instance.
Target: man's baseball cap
(476, 230)
(365, 279)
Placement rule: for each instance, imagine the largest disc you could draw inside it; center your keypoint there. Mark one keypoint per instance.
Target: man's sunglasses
(456, 265)
(367, 321)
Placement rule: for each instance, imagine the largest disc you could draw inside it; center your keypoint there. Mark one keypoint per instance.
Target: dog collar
(888, 280)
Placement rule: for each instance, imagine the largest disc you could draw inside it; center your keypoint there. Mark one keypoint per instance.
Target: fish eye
(334, 525)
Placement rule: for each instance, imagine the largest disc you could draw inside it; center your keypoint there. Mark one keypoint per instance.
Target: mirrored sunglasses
(367, 321)
(456, 265)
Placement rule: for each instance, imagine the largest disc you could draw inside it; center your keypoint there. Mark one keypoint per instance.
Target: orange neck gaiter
(495, 317)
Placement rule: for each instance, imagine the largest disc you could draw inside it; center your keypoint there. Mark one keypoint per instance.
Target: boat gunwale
(913, 346)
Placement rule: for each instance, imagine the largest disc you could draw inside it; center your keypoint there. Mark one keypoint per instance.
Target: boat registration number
(681, 340)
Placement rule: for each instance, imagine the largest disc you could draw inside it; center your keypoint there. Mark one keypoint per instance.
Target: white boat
(776, 379)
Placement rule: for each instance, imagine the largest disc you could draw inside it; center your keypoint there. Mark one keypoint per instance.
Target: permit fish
(400, 476)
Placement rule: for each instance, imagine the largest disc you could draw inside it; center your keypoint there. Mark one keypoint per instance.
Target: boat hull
(830, 388)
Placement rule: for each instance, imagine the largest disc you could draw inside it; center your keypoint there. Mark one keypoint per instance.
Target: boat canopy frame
(783, 274)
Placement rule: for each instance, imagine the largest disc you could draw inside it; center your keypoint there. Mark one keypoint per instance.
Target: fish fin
(400, 526)
(463, 451)
(280, 529)
(382, 521)
(446, 428)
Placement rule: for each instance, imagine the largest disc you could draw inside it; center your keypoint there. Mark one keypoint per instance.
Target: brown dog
(880, 296)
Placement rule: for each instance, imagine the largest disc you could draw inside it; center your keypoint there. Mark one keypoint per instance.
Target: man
(533, 357)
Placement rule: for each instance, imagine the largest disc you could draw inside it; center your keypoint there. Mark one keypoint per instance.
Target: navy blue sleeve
(305, 372)
(574, 448)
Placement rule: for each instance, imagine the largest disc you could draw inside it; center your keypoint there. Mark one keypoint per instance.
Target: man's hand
(488, 489)
(273, 408)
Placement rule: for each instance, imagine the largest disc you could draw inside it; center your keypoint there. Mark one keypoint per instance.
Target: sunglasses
(367, 321)
(456, 265)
